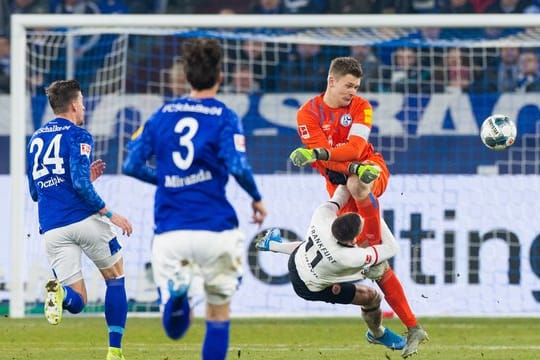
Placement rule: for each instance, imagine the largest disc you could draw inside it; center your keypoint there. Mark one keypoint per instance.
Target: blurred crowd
(253, 66)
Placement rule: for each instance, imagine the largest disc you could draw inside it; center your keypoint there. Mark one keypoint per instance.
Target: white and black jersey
(321, 261)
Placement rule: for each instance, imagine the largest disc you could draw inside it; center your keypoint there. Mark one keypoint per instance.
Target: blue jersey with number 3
(196, 144)
(58, 173)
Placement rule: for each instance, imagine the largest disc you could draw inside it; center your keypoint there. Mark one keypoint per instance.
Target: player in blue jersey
(197, 141)
(72, 216)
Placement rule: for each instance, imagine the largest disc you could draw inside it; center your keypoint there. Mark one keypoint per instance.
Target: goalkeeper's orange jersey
(345, 130)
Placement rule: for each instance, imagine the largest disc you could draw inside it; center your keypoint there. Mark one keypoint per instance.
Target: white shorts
(217, 255)
(95, 236)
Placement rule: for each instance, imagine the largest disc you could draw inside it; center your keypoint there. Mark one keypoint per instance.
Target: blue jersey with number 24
(58, 173)
(196, 144)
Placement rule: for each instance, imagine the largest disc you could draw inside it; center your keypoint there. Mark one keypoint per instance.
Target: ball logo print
(498, 132)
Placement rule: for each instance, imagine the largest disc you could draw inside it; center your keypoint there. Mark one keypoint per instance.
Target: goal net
(431, 86)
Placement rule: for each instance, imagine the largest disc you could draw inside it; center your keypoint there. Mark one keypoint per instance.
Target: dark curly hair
(201, 58)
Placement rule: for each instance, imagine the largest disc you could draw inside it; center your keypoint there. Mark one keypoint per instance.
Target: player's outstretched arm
(271, 240)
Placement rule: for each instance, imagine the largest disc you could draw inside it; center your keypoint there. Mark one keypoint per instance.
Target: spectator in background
(404, 75)
(529, 76)
(507, 7)
(456, 7)
(263, 60)
(480, 6)
(305, 6)
(533, 8)
(73, 7)
(305, 69)
(147, 7)
(112, 7)
(243, 80)
(28, 7)
(500, 75)
(354, 6)
(459, 72)
(370, 65)
(8, 7)
(4, 64)
(267, 7)
(84, 43)
(508, 69)
(4, 17)
(178, 84)
(216, 6)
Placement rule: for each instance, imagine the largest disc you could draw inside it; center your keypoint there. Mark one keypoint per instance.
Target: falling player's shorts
(95, 236)
(345, 296)
(217, 255)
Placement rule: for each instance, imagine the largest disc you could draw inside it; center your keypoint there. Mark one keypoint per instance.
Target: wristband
(321, 154)
(108, 214)
(353, 168)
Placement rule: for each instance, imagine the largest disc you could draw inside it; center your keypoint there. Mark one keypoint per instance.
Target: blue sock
(115, 310)
(73, 301)
(176, 317)
(216, 340)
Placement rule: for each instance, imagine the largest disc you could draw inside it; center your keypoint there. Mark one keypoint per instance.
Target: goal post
(227, 28)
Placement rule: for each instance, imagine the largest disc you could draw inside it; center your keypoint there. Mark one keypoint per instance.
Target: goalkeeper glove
(376, 272)
(302, 157)
(366, 172)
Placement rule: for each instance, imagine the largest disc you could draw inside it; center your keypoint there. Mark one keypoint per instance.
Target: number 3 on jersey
(51, 157)
(192, 126)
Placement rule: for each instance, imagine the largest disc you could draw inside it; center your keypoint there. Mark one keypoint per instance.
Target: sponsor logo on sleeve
(86, 149)
(368, 259)
(240, 142)
(368, 116)
(304, 133)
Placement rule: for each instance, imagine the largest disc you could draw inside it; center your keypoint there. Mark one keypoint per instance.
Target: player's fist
(302, 157)
(366, 172)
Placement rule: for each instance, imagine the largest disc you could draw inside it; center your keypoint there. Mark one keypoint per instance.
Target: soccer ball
(498, 132)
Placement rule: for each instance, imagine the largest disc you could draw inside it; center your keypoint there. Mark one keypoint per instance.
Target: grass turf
(84, 338)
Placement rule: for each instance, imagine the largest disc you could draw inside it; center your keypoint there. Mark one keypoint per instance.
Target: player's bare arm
(259, 212)
(118, 220)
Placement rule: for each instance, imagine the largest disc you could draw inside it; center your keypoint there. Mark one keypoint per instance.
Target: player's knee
(220, 293)
(373, 300)
(358, 189)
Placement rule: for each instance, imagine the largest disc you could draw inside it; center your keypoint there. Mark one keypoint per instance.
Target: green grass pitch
(84, 338)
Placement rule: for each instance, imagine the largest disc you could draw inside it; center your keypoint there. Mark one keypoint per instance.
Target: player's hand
(96, 169)
(302, 156)
(259, 212)
(122, 223)
(366, 172)
(376, 272)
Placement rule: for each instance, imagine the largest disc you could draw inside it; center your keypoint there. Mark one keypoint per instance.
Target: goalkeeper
(327, 265)
(335, 127)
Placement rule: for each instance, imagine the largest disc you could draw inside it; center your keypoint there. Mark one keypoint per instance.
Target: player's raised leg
(176, 313)
(378, 334)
